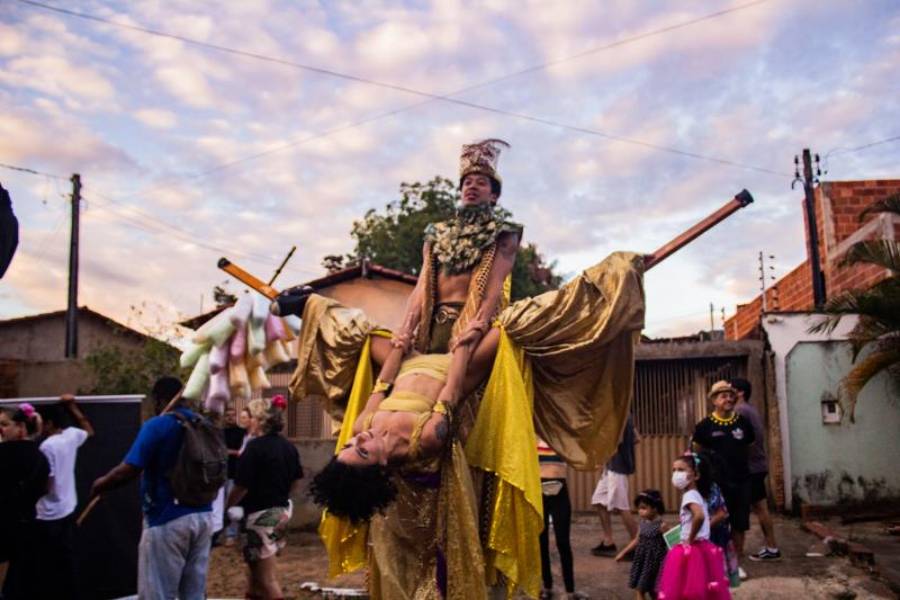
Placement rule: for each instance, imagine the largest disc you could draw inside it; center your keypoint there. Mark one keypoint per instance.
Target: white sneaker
(742, 574)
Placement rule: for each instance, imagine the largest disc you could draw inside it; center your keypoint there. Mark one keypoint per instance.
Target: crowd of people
(255, 471)
(722, 479)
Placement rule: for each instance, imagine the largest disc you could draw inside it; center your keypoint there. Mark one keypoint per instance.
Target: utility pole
(818, 279)
(72, 308)
(712, 317)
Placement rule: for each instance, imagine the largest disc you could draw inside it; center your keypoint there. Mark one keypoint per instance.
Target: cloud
(746, 88)
(156, 118)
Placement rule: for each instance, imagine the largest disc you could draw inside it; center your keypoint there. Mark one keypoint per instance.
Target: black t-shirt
(234, 439)
(622, 461)
(267, 468)
(730, 445)
(24, 472)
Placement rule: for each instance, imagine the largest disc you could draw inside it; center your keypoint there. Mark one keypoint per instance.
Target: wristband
(382, 387)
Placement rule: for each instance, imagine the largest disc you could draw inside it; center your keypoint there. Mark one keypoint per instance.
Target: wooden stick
(173, 401)
(247, 279)
(87, 510)
(741, 200)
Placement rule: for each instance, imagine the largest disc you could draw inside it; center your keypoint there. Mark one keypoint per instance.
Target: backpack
(201, 467)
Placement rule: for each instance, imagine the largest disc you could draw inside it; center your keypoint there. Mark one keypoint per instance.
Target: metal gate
(669, 399)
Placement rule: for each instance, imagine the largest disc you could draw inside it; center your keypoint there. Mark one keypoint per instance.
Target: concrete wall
(846, 462)
(314, 454)
(43, 339)
(383, 300)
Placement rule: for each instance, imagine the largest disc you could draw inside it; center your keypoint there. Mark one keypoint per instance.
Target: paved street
(796, 577)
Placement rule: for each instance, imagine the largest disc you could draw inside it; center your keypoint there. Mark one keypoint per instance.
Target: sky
(243, 128)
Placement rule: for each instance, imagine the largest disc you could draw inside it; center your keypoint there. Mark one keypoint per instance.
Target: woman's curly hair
(353, 492)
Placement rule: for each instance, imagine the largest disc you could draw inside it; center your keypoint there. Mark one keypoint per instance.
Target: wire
(32, 171)
(157, 226)
(434, 97)
(837, 151)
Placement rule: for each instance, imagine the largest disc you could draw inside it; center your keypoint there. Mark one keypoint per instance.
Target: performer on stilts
(435, 485)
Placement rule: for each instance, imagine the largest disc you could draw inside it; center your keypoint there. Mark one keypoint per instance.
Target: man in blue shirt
(174, 550)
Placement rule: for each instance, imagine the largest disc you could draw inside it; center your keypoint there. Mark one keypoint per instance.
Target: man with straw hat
(727, 436)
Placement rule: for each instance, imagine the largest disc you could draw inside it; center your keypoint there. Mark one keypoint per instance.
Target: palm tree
(878, 307)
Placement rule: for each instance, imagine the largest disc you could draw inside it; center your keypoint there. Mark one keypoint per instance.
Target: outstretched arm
(404, 336)
(505, 259)
(464, 345)
(68, 400)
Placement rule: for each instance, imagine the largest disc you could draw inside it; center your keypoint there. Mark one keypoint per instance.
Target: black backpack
(202, 464)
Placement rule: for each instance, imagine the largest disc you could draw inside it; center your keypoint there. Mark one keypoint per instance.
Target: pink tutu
(697, 573)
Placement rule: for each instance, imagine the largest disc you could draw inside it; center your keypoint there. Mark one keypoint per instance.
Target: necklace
(459, 242)
(720, 421)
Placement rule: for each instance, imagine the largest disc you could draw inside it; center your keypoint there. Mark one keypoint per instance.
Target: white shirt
(60, 450)
(693, 497)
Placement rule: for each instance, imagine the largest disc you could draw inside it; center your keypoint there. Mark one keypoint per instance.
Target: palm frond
(891, 204)
(863, 372)
(884, 253)
(835, 310)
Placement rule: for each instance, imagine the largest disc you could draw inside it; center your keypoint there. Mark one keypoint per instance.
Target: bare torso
(453, 288)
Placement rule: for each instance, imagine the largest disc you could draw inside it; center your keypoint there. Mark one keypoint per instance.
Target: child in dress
(649, 546)
(694, 569)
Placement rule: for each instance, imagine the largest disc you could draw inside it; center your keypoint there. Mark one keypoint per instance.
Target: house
(32, 351)
(823, 459)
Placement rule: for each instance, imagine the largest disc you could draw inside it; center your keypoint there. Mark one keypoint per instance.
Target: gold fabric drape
(580, 340)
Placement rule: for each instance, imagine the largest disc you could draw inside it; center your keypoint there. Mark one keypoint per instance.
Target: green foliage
(394, 237)
(117, 370)
(878, 329)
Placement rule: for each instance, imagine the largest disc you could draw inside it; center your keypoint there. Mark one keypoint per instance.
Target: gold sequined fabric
(580, 340)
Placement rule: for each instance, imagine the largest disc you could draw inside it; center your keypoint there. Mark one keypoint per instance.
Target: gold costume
(563, 371)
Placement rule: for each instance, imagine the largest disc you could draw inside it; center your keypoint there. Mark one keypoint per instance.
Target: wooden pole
(71, 348)
(666, 250)
(247, 279)
(281, 266)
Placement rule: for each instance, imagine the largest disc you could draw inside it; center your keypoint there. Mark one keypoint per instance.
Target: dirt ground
(796, 577)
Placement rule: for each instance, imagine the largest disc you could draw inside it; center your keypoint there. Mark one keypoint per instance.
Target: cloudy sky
(628, 121)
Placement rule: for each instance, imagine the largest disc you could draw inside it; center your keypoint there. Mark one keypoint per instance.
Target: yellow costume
(564, 371)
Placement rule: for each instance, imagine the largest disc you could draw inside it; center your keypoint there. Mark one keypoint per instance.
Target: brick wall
(838, 206)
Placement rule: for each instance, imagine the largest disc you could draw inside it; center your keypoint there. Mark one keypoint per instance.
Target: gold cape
(568, 353)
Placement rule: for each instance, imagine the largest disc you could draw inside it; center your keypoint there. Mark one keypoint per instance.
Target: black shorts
(758, 487)
(737, 501)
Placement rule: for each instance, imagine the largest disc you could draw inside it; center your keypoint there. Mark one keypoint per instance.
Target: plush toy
(231, 352)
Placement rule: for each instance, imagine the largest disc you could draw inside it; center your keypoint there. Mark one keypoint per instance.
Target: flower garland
(457, 243)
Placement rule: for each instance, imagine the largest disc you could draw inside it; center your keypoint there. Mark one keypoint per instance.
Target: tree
(878, 308)
(121, 368)
(119, 371)
(394, 237)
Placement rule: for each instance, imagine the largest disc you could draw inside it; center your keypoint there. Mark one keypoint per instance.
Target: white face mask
(680, 479)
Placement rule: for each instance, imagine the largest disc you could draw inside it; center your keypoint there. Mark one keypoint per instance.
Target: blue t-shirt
(155, 451)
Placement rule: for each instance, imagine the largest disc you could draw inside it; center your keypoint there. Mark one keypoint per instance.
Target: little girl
(695, 567)
(649, 546)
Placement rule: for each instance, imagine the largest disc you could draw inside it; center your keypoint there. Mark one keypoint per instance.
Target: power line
(32, 171)
(155, 226)
(435, 97)
(863, 147)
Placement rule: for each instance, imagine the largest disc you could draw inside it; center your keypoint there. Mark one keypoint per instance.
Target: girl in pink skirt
(694, 569)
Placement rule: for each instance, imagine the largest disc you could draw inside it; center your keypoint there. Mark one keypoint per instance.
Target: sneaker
(766, 555)
(604, 550)
(742, 574)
